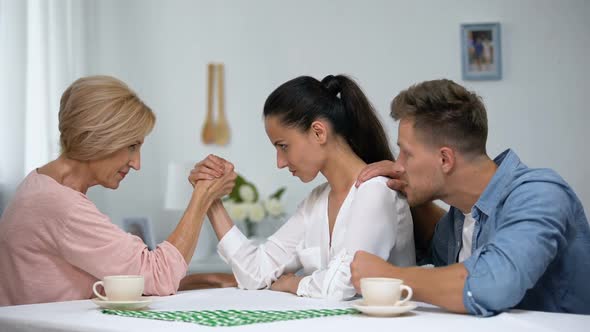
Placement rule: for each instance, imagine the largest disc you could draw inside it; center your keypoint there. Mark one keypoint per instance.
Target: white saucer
(383, 311)
(123, 305)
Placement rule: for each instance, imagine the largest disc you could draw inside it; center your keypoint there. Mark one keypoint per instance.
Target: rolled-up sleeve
(526, 242)
(162, 268)
(332, 282)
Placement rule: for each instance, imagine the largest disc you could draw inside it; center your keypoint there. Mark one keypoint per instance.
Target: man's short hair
(444, 114)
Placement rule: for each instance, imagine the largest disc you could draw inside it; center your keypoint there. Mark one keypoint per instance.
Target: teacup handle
(104, 298)
(408, 297)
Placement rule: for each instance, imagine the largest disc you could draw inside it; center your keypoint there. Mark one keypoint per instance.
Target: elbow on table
(492, 299)
(161, 289)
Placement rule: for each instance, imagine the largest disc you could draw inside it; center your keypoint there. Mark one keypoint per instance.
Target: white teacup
(120, 288)
(384, 291)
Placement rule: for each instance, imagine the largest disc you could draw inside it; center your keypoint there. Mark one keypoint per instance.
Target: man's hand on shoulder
(385, 168)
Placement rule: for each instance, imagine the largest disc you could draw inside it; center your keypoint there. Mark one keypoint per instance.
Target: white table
(85, 316)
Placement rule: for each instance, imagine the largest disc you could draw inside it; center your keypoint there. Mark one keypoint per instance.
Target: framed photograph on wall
(481, 57)
(141, 227)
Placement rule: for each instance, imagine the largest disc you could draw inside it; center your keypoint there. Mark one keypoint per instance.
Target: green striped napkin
(231, 317)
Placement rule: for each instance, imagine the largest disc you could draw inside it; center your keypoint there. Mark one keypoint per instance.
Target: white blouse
(372, 218)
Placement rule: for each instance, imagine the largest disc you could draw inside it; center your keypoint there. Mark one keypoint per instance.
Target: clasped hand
(215, 175)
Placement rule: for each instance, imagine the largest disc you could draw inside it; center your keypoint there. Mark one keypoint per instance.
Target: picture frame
(142, 228)
(481, 56)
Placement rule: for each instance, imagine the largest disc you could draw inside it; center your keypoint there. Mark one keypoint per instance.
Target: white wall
(13, 33)
(161, 49)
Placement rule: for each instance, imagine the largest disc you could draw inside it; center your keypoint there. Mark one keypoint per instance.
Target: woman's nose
(281, 161)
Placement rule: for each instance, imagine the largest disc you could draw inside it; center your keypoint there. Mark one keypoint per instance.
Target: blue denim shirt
(531, 243)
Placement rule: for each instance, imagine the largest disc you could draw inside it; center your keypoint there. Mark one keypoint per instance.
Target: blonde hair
(99, 115)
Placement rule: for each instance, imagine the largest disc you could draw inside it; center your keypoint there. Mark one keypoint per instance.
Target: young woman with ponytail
(326, 127)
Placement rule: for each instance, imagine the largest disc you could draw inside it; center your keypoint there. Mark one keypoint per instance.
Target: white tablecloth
(85, 316)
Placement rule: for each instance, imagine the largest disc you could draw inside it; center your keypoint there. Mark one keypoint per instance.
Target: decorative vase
(250, 228)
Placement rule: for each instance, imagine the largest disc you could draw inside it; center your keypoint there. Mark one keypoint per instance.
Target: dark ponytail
(338, 99)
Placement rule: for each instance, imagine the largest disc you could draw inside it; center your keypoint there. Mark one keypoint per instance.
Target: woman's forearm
(219, 218)
(185, 235)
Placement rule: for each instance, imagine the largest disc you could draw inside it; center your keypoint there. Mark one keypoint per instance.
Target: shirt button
(469, 294)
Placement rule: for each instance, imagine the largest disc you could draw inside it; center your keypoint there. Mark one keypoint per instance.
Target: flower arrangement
(243, 204)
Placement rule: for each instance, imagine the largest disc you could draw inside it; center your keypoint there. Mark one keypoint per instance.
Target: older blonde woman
(54, 241)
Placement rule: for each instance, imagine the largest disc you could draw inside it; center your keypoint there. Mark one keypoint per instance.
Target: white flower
(236, 211)
(256, 212)
(247, 193)
(274, 207)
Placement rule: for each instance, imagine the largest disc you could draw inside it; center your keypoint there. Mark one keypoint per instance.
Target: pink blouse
(54, 244)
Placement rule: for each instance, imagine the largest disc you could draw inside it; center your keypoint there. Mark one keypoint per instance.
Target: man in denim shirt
(514, 237)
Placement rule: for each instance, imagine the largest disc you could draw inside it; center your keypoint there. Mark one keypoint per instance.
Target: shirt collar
(507, 163)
